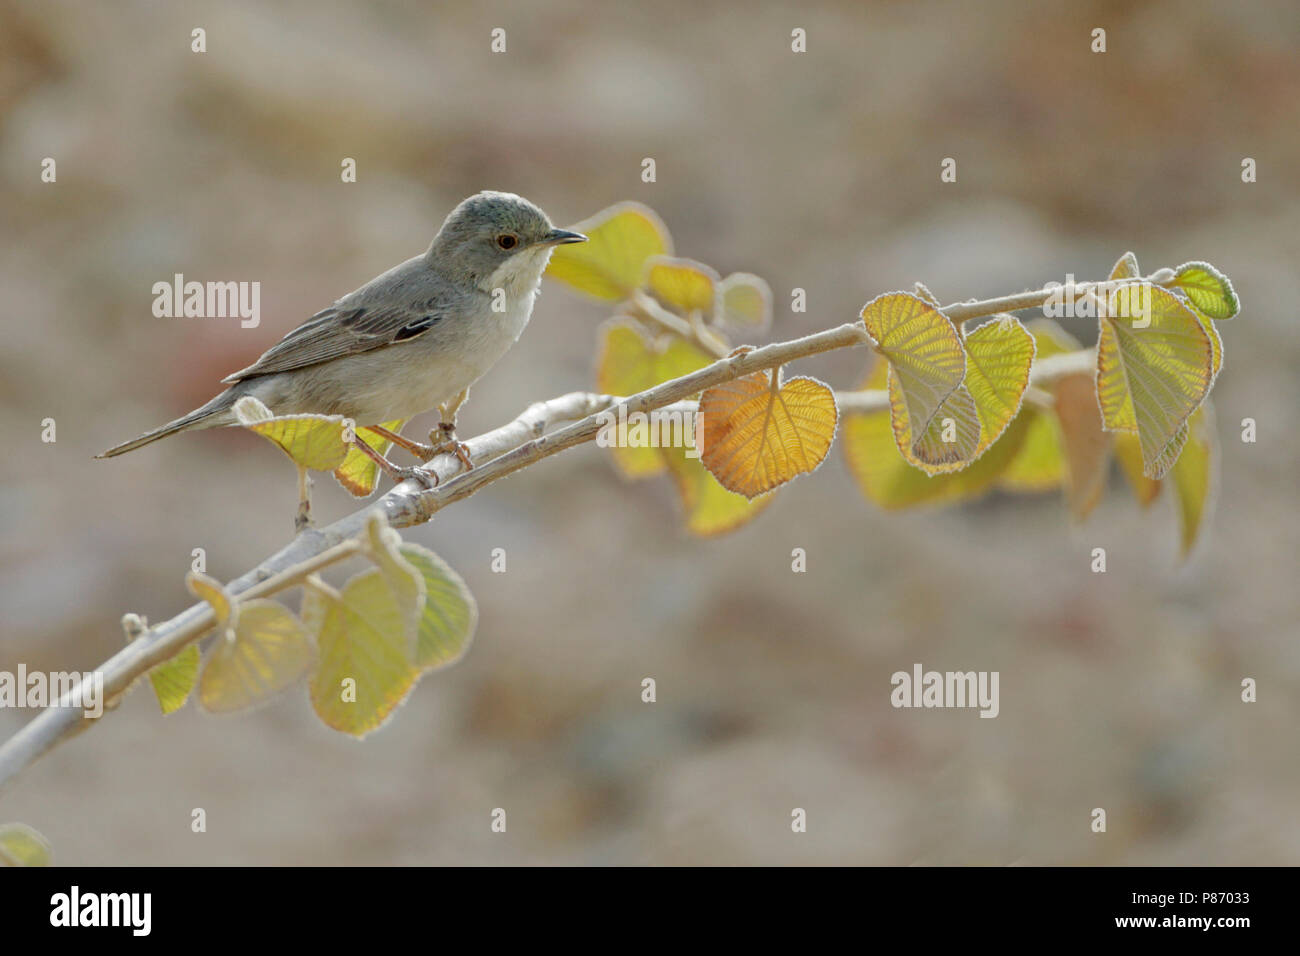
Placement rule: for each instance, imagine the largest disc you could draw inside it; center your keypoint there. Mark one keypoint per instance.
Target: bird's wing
(340, 331)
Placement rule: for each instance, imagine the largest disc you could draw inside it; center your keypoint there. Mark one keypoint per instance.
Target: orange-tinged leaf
(359, 473)
(1193, 478)
(610, 265)
(927, 364)
(1086, 444)
(1150, 379)
(708, 508)
(759, 433)
(683, 284)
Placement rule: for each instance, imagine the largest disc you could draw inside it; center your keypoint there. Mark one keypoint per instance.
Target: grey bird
(408, 341)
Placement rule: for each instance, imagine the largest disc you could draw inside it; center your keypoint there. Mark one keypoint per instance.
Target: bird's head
(495, 239)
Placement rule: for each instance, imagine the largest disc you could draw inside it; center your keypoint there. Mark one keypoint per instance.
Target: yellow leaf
(312, 441)
(1128, 452)
(1208, 289)
(927, 364)
(759, 434)
(952, 438)
(1152, 378)
(683, 284)
(211, 590)
(365, 669)
(1086, 444)
(406, 583)
(1050, 339)
(888, 480)
(359, 473)
(450, 613)
(20, 845)
(1193, 478)
(709, 508)
(629, 363)
(610, 264)
(1039, 463)
(253, 662)
(999, 355)
(173, 679)
(746, 304)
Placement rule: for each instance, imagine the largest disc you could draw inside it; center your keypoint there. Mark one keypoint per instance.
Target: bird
(408, 341)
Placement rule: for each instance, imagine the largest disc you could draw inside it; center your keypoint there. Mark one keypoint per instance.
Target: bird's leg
(418, 449)
(447, 429)
(427, 478)
(302, 520)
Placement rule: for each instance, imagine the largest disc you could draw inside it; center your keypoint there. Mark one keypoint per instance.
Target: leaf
(450, 612)
(359, 473)
(949, 443)
(1193, 478)
(1128, 452)
(362, 643)
(1086, 444)
(1152, 378)
(1126, 268)
(745, 304)
(889, 481)
(709, 509)
(629, 363)
(684, 284)
(999, 355)
(21, 845)
(1208, 289)
(927, 364)
(312, 441)
(218, 598)
(173, 679)
(406, 583)
(759, 434)
(1050, 339)
(253, 662)
(1039, 463)
(610, 265)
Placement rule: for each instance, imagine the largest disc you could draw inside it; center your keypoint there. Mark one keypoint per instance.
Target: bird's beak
(558, 237)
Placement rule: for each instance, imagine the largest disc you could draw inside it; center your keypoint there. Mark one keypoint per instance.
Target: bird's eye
(507, 241)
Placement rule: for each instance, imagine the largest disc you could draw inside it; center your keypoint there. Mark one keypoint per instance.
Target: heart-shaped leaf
(611, 264)
(1208, 289)
(683, 284)
(760, 433)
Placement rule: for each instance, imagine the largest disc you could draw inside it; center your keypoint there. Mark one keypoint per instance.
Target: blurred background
(817, 170)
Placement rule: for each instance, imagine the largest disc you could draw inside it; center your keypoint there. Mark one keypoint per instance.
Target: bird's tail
(215, 413)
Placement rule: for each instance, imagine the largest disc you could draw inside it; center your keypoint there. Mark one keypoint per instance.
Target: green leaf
(1150, 379)
(1208, 289)
(1039, 463)
(450, 613)
(610, 265)
(20, 845)
(927, 363)
(267, 652)
(173, 679)
(364, 670)
(1126, 268)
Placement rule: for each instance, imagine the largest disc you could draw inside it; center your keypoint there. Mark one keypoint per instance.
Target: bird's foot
(399, 474)
(443, 441)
